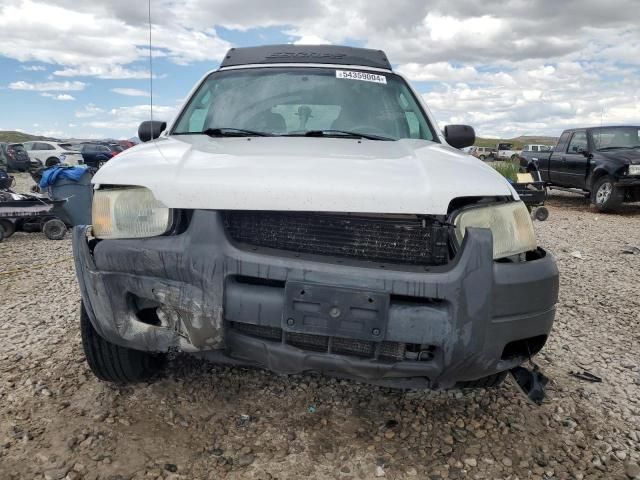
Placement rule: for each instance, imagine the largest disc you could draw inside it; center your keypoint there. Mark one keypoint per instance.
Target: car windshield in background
(18, 147)
(616, 138)
(295, 101)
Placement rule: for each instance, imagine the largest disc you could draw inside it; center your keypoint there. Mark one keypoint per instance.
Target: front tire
(113, 363)
(605, 195)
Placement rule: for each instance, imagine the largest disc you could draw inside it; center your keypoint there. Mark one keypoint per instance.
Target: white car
(50, 153)
(506, 151)
(536, 148)
(305, 213)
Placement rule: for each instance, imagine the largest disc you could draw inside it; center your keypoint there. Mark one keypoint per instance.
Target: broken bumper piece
(410, 326)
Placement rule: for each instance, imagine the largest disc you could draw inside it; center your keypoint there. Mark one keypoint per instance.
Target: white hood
(303, 174)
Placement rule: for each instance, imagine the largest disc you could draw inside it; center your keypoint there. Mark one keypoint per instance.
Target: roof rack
(326, 54)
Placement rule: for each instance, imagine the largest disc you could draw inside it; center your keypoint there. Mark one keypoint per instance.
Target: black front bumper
(431, 327)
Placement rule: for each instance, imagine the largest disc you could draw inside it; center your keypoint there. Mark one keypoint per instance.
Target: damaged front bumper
(422, 327)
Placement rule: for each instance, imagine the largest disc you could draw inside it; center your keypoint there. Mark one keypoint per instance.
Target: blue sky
(80, 69)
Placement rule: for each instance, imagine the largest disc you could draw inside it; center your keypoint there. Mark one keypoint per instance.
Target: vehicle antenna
(150, 67)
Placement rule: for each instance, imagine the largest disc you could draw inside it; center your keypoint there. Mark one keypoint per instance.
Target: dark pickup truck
(603, 161)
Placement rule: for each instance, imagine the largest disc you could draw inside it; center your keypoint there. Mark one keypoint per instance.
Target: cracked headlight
(510, 224)
(131, 212)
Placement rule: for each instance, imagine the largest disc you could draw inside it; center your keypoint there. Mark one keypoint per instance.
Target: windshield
(614, 138)
(293, 101)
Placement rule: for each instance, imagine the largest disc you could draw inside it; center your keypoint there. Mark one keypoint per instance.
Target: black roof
(333, 54)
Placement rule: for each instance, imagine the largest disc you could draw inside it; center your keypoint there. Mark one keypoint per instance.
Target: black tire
(8, 228)
(541, 214)
(51, 161)
(491, 381)
(54, 229)
(113, 363)
(605, 196)
(482, 157)
(1, 234)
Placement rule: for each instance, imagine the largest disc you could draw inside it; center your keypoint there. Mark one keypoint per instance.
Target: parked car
(126, 144)
(537, 148)
(52, 153)
(506, 151)
(602, 161)
(483, 153)
(14, 157)
(311, 217)
(96, 154)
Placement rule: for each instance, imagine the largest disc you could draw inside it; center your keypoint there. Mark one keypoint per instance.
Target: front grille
(399, 239)
(384, 351)
(271, 333)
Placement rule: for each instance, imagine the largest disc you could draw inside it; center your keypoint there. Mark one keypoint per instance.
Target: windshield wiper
(612, 148)
(233, 132)
(340, 133)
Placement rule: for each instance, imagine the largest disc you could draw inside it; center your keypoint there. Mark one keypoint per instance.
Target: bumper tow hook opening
(531, 382)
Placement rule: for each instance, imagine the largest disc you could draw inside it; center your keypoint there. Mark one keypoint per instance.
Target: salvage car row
(30, 155)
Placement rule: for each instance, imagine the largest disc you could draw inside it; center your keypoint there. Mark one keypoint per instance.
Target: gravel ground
(207, 422)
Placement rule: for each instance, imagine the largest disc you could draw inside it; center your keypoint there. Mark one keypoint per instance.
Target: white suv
(51, 153)
(305, 213)
(483, 153)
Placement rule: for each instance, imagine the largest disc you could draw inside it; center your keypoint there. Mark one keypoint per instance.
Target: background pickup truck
(604, 161)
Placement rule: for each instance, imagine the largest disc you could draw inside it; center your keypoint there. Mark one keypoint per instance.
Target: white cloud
(89, 110)
(105, 72)
(438, 72)
(100, 40)
(128, 118)
(48, 86)
(130, 92)
(33, 68)
(65, 97)
(542, 100)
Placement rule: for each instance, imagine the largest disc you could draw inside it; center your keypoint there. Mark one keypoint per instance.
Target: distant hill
(19, 137)
(518, 142)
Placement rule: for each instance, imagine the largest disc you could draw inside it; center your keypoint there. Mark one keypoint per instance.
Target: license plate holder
(335, 311)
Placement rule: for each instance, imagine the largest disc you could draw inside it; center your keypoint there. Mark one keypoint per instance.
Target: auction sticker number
(364, 76)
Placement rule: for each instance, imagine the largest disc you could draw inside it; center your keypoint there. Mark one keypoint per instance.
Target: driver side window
(578, 143)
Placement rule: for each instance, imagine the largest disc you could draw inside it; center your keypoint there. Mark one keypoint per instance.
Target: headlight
(131, 212)
(634, 170)
(510, 224)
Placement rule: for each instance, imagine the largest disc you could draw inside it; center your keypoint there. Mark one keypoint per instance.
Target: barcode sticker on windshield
(364, 76)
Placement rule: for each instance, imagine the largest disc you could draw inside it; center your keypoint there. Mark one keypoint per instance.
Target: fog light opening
(149, 316)
(524, 348)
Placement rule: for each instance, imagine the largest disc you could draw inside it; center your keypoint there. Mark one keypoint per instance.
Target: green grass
(507, 169)
(19, 137)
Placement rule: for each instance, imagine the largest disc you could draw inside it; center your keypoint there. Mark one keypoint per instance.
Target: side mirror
(150, 130)
(459, 136)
